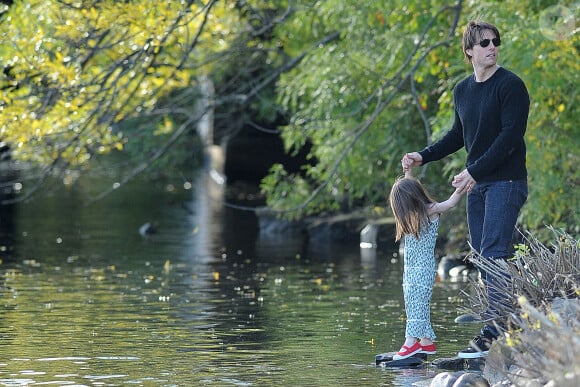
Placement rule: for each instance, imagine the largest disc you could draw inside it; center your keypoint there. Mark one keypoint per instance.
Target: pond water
(205, 300)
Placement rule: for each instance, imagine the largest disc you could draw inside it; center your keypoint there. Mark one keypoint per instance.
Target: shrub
(541, 307)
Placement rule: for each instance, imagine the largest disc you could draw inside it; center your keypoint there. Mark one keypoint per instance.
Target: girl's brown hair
(409, 201)
(472, 35)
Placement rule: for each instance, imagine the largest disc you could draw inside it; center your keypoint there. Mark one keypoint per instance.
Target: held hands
(410, 160)
(463, 182)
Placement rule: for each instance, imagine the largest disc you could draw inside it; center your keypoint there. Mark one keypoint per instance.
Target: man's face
(484, 56)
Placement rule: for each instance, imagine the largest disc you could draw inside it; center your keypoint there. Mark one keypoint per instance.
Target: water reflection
(206, 300)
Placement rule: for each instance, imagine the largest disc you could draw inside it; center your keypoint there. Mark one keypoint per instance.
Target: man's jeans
(492, 213)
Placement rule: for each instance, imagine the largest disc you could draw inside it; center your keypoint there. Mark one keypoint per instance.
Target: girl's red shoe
(430, 349)
(406, 352)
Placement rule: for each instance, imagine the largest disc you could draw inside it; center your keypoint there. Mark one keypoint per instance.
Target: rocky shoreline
(503, 365)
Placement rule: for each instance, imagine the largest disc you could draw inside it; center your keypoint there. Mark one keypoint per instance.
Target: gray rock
(459, 271)
(468, 318)
(470, 379)
(524, 378)
(445, 379)
(459, 379)
(503, 383)
(499, 361)
(453, 363)
(446, 263)
(476, 364)
(568, 310)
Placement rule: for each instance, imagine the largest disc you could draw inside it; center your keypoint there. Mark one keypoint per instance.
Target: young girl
(417, 218)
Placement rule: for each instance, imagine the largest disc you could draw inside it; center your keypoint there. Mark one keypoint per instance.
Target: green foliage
(354, 101)
(362, 83)
(84, 71)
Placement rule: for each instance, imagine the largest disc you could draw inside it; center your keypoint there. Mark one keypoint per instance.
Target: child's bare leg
(409, 341)
(426, 341)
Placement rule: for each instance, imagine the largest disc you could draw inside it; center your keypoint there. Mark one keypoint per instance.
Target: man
(491, 113)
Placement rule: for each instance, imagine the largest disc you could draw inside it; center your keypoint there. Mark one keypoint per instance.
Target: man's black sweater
(490, 121)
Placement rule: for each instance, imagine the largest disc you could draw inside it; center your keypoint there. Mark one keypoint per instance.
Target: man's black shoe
(478, 347)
